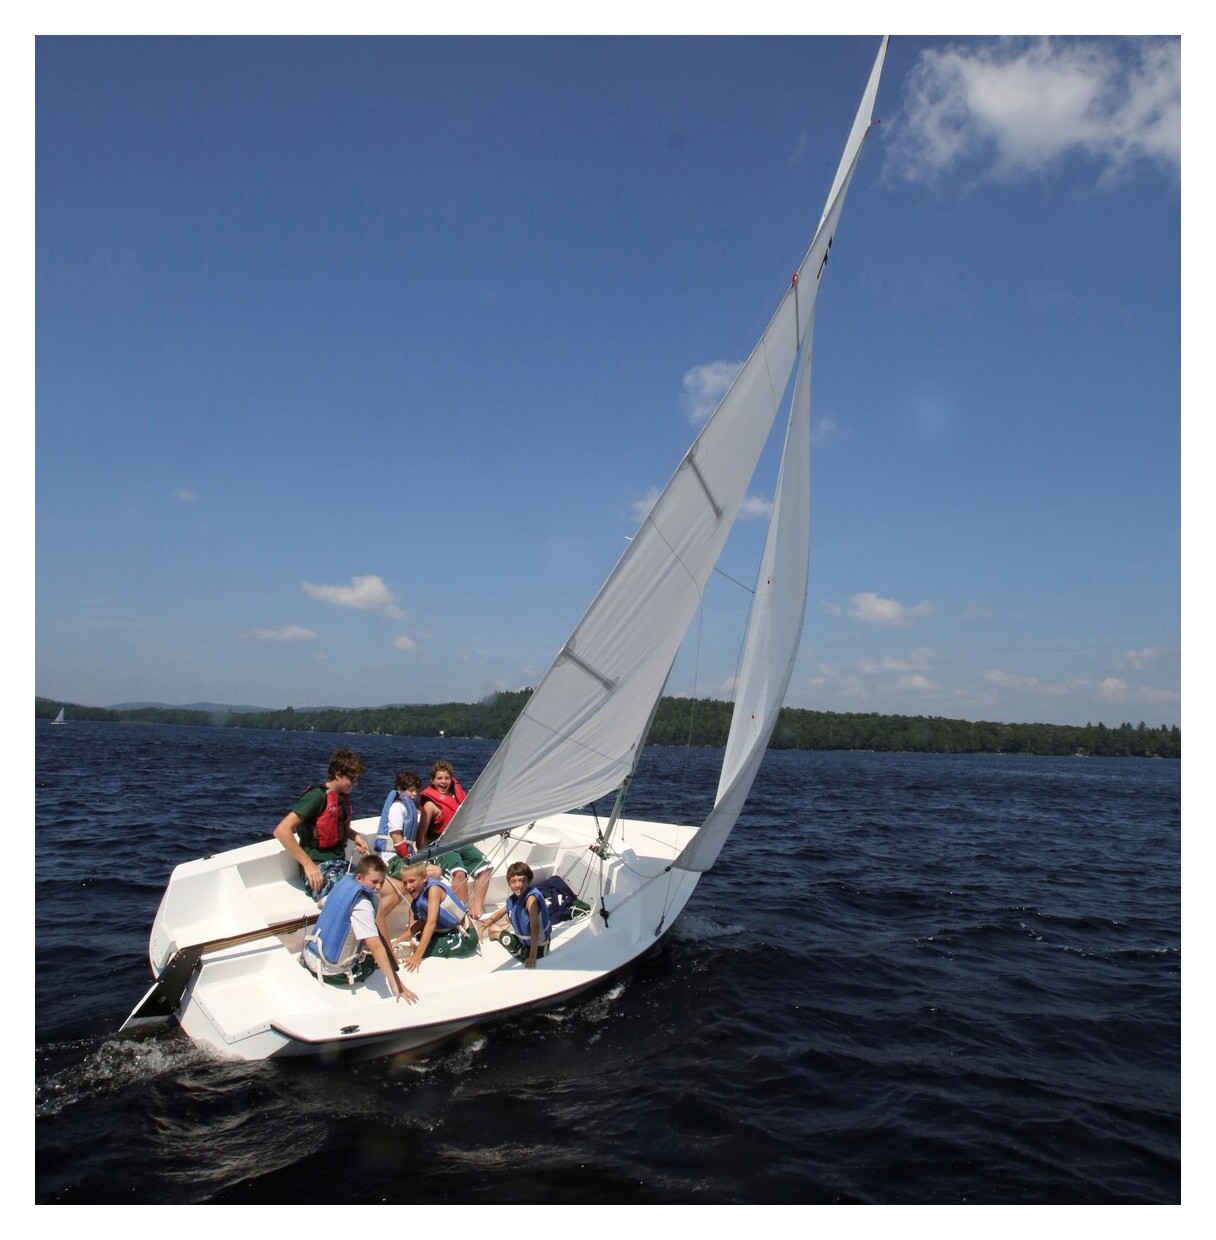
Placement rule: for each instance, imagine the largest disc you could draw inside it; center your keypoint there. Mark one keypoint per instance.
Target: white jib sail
(773, 632)
(775, 625)
(579, 734)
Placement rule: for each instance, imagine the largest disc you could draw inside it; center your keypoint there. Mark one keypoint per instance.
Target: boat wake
(702, 930)
(113, 1067)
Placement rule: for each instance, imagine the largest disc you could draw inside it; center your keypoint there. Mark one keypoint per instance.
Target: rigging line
(647, 880)
(692, 708)
(734, 580)
(675, 555)
(797, 313)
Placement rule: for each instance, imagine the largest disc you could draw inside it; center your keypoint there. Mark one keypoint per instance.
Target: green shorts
(469, 859)
(511, 941)
(454, 945)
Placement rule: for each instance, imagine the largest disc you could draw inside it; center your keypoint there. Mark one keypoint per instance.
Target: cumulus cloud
(1112, 689)
(875, 610)
(801, 147)
(1138, 660)
(976, 611)
(1018, 106)
(406, 643)
(755, 508)
(915, 661)
(289, 633)
(186, 496)
(363, 594)
(824, 429)
(643, 506)
(918, 684)
(1031, 684)
(704, 387)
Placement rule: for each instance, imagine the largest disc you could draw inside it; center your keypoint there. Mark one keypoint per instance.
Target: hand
(360, 845)
(312, 875)
(404, 992)
(413, 962)
(529, 963)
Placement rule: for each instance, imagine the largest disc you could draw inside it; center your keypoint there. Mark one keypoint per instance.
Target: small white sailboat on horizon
(59, 717)
(226, 939)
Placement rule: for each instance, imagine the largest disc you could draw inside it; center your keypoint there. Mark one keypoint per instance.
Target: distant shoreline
(680, 721)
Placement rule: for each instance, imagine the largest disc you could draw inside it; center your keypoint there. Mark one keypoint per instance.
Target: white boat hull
(255, 1001)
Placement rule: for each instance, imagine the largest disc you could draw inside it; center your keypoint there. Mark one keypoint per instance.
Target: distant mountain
(212, 708)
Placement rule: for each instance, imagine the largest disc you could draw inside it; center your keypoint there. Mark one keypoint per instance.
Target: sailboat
(59, 717)
(226, 940)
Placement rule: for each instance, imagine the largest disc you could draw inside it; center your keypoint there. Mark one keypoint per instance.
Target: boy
(440, 919)
(345, 946)
(438, 803)
(399, 818)
(526, 910)
(321, 817)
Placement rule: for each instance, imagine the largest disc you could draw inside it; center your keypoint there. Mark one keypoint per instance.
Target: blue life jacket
(517, 911)
(451, 910)
(332, 933)
(409, 824)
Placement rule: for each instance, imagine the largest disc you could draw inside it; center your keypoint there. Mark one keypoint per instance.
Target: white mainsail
(579, 735)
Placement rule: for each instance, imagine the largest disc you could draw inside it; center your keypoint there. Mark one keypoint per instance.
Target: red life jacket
(329, 830)
(446, 802)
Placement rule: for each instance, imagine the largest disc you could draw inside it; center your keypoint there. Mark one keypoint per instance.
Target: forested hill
(680, 721)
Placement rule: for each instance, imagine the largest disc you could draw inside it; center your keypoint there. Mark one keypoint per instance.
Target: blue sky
(357, 360)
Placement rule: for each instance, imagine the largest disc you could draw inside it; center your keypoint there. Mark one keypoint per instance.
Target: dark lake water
(909, 979)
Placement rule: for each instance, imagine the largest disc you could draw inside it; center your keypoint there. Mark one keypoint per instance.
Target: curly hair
(408, 779)
(346, 764)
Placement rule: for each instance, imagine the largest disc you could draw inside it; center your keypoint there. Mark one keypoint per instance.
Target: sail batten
(579, 734)
(709, 495)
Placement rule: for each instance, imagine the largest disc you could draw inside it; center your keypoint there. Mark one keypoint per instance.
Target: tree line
(685, 721)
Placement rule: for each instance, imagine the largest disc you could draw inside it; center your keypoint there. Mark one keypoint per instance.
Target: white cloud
(185, 495)
(704, 387)
(643, 506)
(798, 154)
(289, 633)
(875, 610)
(1031, 684)
(824, 429)
(405, 643)
(976, 611)
(1018, 106)
(1138, 660)
(919, 684)
(364, 594)
(1112, 689)
(915, 661)
(755, 508)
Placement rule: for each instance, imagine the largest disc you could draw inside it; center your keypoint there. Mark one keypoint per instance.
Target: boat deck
(255, 1000)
